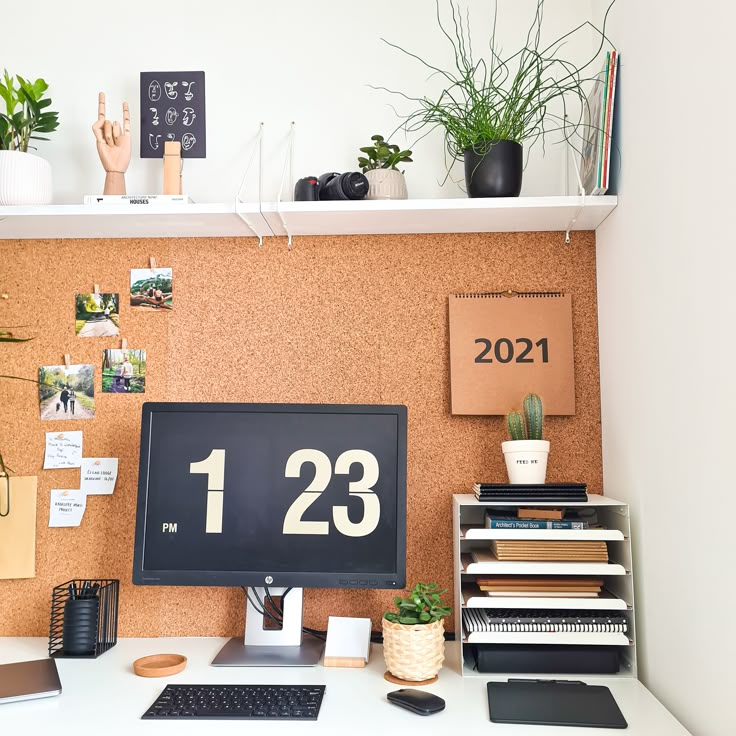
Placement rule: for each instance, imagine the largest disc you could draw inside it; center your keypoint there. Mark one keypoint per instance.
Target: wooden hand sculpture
(113, 146)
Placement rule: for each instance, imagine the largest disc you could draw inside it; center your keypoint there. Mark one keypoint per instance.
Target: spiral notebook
(504, 345)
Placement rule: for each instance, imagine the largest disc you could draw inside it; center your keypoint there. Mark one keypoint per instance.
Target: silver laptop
(26, 680)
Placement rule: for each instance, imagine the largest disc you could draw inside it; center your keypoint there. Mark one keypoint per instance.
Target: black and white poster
(173, 109)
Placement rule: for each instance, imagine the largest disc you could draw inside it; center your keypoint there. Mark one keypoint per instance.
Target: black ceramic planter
(496, 173)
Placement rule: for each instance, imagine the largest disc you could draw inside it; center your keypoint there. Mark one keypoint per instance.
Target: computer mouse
(417, 701)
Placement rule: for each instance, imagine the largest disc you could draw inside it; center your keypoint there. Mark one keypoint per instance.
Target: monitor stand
(268, 647)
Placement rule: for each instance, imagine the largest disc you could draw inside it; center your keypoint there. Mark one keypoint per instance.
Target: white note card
(348, 637)
(67, 507)
(63, 450)
(98, 475)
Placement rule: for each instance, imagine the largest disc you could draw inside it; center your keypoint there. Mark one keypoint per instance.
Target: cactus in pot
(526, 453)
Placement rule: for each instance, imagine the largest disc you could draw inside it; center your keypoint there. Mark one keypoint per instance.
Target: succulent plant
(534, 416)
(529, 426)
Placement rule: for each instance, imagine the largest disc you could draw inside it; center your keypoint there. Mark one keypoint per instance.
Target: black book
(579, 487)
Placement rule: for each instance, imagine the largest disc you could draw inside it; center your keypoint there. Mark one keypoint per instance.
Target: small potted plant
(379, 164)
(24, 177)
(526, 452)
(414, 635)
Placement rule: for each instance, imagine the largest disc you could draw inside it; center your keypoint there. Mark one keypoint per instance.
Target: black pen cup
(81, 618)
(84, 618)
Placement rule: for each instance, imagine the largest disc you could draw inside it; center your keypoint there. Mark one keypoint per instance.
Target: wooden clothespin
(97, 289)
(123, 344)
(172, 167)
(67, 360)
(152, 264)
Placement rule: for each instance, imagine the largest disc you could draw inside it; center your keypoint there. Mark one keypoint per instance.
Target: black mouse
(417, 701)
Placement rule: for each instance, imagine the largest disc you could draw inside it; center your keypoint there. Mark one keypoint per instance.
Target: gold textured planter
(414, 652)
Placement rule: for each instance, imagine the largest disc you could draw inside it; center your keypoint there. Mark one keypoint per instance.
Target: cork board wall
(336, 320)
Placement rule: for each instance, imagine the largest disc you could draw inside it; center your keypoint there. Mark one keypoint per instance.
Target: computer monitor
(272, 496)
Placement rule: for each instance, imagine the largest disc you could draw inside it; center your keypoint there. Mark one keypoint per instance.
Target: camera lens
(351, 185)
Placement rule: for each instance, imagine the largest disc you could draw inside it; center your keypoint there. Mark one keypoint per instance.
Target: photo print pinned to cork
(123, 371)
(97, 315)
(151, 289)
(66, 391)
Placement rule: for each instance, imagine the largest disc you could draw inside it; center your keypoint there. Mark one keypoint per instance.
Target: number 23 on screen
(214, 467)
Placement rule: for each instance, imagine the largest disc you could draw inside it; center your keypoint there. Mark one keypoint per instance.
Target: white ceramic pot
(526, 460)
(386, 184)
(24, 179)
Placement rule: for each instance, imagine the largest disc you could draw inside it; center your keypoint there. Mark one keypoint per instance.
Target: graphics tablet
(553, 703)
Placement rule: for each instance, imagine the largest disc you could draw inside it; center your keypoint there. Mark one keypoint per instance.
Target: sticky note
(63, 450)
(98, 475)
(67, 507)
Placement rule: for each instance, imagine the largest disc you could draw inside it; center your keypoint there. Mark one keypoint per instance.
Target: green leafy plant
(382, 155)
(528, 426)
(423, 605)
(501, 96)
(26, 113)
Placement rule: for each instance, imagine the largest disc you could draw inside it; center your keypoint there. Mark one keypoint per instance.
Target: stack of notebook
(526, 619)
(540, 587)
(507, 550)
(546, 492)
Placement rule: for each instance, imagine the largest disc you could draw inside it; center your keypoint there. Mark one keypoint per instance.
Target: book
(103, 199)
(526, 513)
(598, 128)
(543, 620)
(505, 523)
(541, 594)
(538, 580)
(532, 550)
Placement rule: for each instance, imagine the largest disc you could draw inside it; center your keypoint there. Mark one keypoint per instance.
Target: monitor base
(237, 654)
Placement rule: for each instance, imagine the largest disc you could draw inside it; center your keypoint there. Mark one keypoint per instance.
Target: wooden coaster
(409, 683)
(159, 665)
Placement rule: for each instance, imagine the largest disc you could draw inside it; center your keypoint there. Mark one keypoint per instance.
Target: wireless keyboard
(265, 702)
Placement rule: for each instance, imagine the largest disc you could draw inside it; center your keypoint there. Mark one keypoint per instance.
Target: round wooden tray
(159, 665)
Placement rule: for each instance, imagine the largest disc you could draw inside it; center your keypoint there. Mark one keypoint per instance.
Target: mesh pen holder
(84, 618)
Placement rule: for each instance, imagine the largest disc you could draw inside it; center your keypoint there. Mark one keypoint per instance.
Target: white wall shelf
(384, 217)
(121, 221)
(365, 217)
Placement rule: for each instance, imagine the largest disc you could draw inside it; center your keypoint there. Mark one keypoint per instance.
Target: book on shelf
(598, 128)
(559, 551)
(543, 620)
(524, 512)
(493, 522)
(541, 594)
(526, 492)
(143, 199)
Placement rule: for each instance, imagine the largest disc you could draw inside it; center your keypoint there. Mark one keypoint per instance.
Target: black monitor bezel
(395, 580)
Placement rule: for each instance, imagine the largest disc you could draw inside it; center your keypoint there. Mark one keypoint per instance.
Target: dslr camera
(331, 186)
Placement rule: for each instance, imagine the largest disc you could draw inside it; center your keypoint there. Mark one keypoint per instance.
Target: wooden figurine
(172, 167)
(113, 147)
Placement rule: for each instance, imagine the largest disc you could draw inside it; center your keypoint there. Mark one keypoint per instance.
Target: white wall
(666, 261)
(275, 62)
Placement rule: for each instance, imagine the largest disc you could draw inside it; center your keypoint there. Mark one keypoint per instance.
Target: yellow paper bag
(18, 527)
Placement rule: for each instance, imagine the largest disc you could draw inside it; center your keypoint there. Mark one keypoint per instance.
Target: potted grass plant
(492, 106)
(380, 166)
(414, 634)
(24, 177)
(526, 452)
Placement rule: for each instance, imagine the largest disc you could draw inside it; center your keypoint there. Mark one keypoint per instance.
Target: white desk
(104, 696)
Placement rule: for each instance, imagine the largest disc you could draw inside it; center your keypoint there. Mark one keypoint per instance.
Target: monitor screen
(306, 495)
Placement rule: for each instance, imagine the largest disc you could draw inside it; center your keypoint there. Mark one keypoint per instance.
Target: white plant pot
(386, 184)
(526, 460)
(24, 179)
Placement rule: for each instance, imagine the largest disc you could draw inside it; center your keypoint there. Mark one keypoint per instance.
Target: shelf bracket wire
(581, 191)
(288, 163)
(257, 148)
